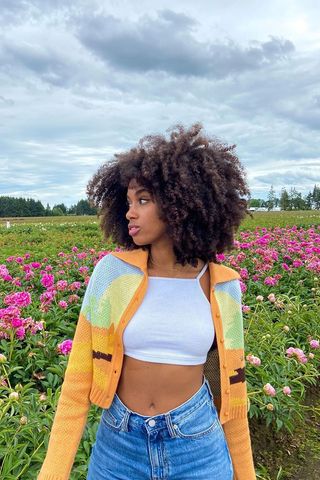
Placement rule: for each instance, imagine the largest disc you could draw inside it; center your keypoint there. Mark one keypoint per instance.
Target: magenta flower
(47, 280)
(35, 265)
(65, 347)
(20, 333)
(314, 344)
(83, 269)
(75, 286)
(17, 322)
(61, 285)
(297, 263)
(18, 299)
(270, 281)
(4, 272)
(82, 255)
(63, 304)
(269, 390)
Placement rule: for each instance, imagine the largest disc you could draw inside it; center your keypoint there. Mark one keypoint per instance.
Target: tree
(284, 200)
(271, 198)
(296, 200)
(316, 197)
(255, 202)
(62, 207)
(57, 212)
(83, 208)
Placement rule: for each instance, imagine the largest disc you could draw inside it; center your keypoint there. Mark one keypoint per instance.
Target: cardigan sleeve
(239, 443)
(73, 405)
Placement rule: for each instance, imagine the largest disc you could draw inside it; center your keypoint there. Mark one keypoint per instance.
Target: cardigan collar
(139, 258)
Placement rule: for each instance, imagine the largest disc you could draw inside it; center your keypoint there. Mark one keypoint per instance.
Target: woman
(159, 341)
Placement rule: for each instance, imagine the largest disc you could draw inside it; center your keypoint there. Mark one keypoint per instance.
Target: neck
(163, 257)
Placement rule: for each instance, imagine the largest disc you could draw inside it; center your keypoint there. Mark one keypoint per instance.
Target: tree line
(28, 207)
(291, 200)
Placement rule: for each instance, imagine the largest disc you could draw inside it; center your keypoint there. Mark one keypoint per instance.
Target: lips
(133, 230)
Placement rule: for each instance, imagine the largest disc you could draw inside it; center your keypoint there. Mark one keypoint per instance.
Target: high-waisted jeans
(184, 443)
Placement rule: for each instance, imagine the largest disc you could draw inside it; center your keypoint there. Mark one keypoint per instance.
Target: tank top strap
(204, 268)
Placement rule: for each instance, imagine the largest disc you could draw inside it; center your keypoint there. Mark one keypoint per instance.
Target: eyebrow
(140, 190)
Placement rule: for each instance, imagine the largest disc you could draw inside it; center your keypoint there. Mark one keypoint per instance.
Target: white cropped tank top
(173, 324)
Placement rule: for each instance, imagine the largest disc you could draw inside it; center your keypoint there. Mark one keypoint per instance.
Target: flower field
(44, 270)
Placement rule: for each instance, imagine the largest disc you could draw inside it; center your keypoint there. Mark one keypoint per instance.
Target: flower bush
(40, 299)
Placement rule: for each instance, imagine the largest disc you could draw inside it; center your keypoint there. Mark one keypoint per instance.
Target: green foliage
(33, 370)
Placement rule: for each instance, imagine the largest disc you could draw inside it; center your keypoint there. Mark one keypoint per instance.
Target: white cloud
(74, 93)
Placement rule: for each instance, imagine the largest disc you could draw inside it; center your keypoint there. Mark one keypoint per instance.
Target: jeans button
(151, 423)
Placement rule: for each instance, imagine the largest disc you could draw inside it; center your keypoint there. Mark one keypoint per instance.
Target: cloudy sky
(83, 79)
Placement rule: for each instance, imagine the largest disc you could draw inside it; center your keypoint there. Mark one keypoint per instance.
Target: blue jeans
(184, 443)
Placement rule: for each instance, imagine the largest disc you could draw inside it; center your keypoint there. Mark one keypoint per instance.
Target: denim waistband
(166, 419)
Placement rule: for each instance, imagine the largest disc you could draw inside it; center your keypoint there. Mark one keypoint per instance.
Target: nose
(131, 213)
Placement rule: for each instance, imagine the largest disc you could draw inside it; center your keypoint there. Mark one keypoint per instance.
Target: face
(143, 216)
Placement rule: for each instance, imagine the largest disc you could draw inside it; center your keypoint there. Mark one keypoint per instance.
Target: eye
(140, 200)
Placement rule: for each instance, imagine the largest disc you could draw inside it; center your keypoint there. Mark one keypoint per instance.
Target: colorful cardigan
(115, 291)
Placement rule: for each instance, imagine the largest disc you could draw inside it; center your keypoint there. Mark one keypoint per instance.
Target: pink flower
(272, 298)
(246, 308)
(74, 298)
(4, 272)
(285, 266)
(75, 286)
(82, 255)
(35, 265)
(47, 280)
(18, 299)
(253, 360)
(47, 297)
(269, 390)
(65, 347)
(287, 391)
(16, 322)
(74, 249)
(314, 344)
(297, 263)
(83, 269)
(63, 304)
(29, 275)
(61, 285)
(244, 273)
(20, 333)
(270, 281)
(298, 353)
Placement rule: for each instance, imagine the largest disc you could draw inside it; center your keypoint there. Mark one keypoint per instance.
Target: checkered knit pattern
(115, 291)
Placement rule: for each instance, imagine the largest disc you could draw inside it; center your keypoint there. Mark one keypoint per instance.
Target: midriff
(151, 388)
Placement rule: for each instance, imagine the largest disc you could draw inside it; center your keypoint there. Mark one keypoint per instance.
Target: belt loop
(124, 423)
(209, 388)
(171, 430)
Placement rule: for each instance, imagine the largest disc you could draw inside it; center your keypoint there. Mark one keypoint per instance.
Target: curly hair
(197, 182)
